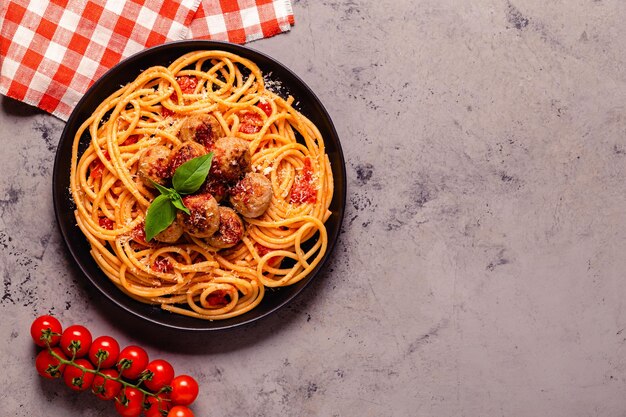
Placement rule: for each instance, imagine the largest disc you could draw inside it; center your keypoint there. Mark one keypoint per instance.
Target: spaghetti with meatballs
(267, 192)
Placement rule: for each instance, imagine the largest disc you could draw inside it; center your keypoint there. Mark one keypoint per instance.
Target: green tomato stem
(97, 372)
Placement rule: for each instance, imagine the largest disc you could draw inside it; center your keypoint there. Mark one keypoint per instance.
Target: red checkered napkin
(241, 21)
(52, 51)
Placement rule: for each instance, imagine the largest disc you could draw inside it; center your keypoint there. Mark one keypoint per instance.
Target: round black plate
(125, 72)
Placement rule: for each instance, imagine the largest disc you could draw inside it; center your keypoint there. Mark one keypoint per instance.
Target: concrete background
(480, 271)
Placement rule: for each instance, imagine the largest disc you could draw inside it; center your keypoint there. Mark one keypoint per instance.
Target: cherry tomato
(47, 365)
(184, 390)
(132, 361)
(104, 388)
(218, 298)
(97, 167)
(129, 403)
(165, 112)
(159, 374)
(75, 341)
(187, 83)
(139, 233)
(46, 328)
(264, 250)
(76, 378)
(180, 411)
(104, 352)
(250, 122)
(303, 189)
(154, 405)
(131, 140)
(163, 265)
(105, 223)
(265, 106)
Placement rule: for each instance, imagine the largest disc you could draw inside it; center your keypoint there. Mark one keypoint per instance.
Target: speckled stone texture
(480, 271)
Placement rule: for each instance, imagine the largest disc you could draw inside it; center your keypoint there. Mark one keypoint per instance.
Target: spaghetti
(193, 276)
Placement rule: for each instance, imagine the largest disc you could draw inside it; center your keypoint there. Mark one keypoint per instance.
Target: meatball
(185, 152)
(171, 234)
(231, 159)
(201, 128)
(204, 217)
(252, 195)
(215, 187)
(154, 165)
(230, 229)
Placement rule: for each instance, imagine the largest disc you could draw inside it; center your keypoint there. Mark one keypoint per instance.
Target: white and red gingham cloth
(52, 51)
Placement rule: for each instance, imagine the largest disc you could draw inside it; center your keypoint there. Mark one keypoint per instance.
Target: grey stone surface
(480, 271)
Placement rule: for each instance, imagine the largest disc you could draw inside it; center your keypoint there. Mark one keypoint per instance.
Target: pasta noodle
(190, 276)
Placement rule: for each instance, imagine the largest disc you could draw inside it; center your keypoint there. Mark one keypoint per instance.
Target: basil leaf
(160, 215)
(177, 201)
(190, 175)
(163, 190)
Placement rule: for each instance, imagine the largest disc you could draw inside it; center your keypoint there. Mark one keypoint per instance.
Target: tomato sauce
(131, 140)
(218, 298)
(215, 187)
(250, 123)
(139, 233)
(205, 136)
(184, 154)
(303, 189)
(165, 112)
(97, 167)
(230, 229)
(162, 265)
(105, 223)
(266, 107)
(264, 250)
(187, 83)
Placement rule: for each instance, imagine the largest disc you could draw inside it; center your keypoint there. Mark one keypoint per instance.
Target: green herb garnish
(188, 178)
(190, 175)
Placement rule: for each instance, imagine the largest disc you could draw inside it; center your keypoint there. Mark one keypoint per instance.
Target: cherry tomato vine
(137, 385)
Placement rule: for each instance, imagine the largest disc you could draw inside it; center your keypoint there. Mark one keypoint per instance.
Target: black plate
(127, 71)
